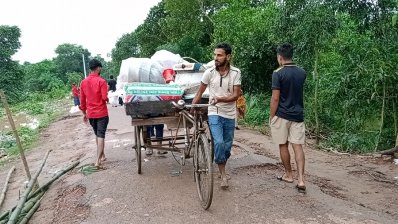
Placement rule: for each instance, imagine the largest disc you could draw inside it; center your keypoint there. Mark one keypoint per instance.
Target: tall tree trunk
(395, 121)
(14, 129)
(316, 79)
(382, 116)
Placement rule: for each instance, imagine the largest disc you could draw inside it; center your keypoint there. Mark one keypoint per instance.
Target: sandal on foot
(224, 184)
(227, 175)
(162, 152)
(283, 179)
(301, 189)
(149, 152)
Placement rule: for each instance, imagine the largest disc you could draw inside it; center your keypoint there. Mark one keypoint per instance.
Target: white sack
(140, 70)
(166, 58)
(74, 109)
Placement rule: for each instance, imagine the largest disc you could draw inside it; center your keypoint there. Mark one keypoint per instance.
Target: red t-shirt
(94, 96)
(75, 91)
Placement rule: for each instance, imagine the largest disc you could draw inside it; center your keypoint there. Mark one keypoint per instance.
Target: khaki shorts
(284, 131)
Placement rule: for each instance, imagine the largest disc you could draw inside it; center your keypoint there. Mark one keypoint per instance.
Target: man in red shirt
(75, 93)
(93, 100)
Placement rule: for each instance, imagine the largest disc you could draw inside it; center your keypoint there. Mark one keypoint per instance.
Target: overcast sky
(94, 24)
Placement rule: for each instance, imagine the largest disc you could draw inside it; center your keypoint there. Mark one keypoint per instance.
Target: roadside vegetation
(37, 112)
(348, 48)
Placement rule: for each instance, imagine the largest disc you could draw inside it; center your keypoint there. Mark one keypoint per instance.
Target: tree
(11, 74)
(127, 46)
(41, 77)
(150, 34)
(348, 48)
(69, 59)
(105, 71)
(189, 27)
(74, 78)
(253, 39)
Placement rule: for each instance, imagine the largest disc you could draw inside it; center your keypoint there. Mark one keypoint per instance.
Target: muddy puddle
(20, 120)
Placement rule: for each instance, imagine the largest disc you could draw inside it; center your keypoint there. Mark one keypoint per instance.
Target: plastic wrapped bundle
(166, 58)
(190, 82)
(141, 70)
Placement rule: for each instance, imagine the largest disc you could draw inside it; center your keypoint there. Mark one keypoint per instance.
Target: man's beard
(220, 64)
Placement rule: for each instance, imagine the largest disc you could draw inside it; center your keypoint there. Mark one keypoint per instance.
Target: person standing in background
(75, 93)
(113, 97)
(112, 84)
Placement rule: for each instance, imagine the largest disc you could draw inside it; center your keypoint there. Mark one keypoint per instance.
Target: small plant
(88, 169)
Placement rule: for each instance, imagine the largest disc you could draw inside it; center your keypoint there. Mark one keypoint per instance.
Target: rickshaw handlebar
(181, 105)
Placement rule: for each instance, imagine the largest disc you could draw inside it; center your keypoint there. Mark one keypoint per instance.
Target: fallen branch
(389, 151)
(3, 193)
(15, 214)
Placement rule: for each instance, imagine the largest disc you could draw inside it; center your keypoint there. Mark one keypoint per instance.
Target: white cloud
(94, 24)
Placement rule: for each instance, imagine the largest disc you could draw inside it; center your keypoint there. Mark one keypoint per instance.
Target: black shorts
(99, 125)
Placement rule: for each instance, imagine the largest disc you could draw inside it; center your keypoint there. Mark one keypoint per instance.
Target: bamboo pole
(3, 193)
(15, 214)
(29, 205)
(29, 215)
(44, 187)
(14, 129)
(26, 209)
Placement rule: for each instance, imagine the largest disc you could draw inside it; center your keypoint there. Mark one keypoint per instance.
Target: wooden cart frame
(194, 142)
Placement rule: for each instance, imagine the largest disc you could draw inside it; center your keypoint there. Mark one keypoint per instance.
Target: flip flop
(227, 175)
(149, 152)
(301, 189)
(281, 179)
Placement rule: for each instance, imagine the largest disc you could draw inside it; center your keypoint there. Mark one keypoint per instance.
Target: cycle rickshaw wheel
(203, 170)
(137, 138)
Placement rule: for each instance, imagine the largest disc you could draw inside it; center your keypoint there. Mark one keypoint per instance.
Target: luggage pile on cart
(157, 91)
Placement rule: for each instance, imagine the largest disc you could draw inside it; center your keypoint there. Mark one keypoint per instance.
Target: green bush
(257, 110)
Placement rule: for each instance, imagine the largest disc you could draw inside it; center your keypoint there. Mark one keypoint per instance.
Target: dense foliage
(10, 72)
(348, 48)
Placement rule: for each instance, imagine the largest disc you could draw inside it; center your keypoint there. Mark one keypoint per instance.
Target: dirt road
(341, 188)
